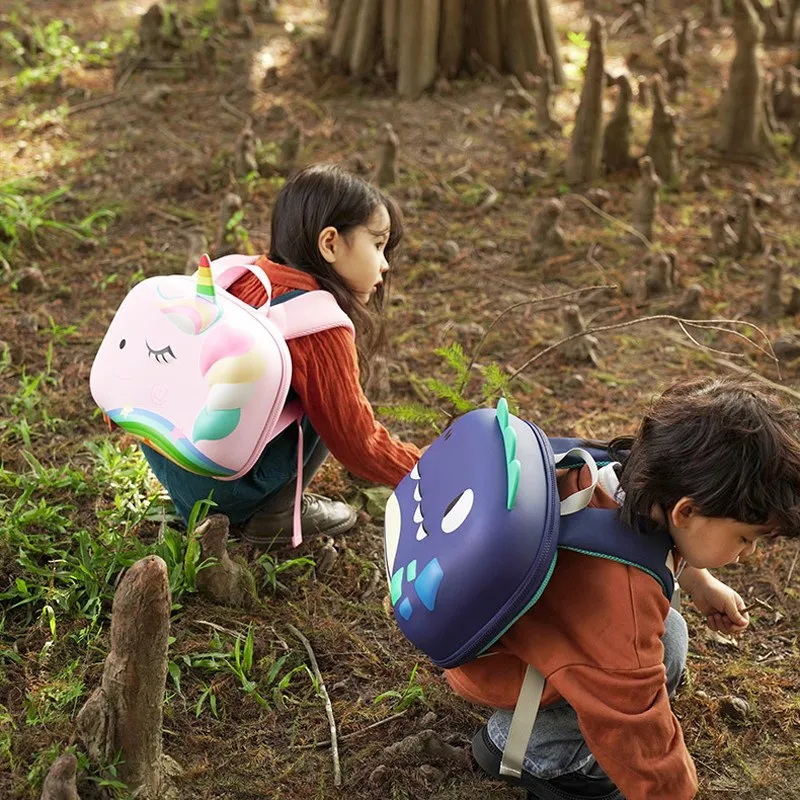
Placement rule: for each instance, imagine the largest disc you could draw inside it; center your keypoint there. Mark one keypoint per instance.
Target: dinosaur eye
(457, 512)
(122, 344)
(161, 355)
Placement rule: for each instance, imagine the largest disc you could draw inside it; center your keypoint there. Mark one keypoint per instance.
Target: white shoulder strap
(519, 734)
(580, 499)
(309, 313)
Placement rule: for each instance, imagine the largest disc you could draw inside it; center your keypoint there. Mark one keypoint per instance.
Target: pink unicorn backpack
(202, 377)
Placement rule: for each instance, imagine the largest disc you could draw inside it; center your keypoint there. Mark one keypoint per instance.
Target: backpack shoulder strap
(306, 313)
(599, 532)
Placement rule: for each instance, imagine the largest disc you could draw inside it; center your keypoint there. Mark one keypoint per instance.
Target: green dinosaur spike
(397, 585)
(510, 442)
(502, 413)
(513, 483)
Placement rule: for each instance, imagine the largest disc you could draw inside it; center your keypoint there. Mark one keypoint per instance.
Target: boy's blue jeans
(557, 746)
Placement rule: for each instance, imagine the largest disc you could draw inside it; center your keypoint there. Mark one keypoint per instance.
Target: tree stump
(581, 348)
(586, 145)
(386, 171)
(660, 277)
(60, 781)
(690, 304)
(723, 237)
(245, 159)
(227, 582)
(744, 132)
(749, 233)
(771, 303)
(545, 86)
(159, 34)
(645, 198)
(125, 713)
(226, 242)
(685, 34)
(229, 10)
(618, 133)
(662, 146)
(546, 235)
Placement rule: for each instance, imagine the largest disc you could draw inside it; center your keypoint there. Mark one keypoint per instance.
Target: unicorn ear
(205, 280)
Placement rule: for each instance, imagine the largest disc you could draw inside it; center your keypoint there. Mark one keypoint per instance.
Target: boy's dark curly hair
(731, 445)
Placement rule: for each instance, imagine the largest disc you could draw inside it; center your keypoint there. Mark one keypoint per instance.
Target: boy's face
(711, 542)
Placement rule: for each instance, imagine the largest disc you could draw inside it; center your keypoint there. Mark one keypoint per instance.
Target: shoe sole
(488, 756)
(279, 541)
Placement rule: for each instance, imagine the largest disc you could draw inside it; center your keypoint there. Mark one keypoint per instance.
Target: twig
(231, 109)
(337, 771)
(350, 735)
(778, 387)
(617, 25)
(599, 211)
(791, 569)
(629, 323)
(756, 604)
(528, 303)
(594, 262)
(176, 140)
(96, 103)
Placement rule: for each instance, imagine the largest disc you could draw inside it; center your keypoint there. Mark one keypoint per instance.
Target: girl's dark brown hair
(730, 445)
(325, 195)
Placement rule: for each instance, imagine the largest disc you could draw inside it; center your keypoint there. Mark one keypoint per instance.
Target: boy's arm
(715, 600)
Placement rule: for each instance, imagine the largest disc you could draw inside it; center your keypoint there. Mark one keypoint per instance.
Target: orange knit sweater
(595, 635)
(326, 378)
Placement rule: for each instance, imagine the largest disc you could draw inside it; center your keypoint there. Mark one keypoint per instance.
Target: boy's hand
(720, 604)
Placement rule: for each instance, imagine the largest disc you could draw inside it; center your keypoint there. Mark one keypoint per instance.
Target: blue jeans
(557, 746)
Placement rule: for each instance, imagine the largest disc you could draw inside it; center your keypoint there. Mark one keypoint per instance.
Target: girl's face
(711, 542)
(358, 258)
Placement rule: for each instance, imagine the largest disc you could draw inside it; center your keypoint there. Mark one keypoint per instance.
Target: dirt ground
(162, 171)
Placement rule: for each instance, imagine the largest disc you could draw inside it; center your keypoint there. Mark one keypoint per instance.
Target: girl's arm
(326, 378)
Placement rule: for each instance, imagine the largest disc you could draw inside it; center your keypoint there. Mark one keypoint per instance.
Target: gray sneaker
(271, 530)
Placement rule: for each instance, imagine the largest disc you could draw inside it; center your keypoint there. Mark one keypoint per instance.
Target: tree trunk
(345, 30)
(125, 713)
(484, 28)
(365, 52)
(451, 39)
(415, 38)
(390, 11)
(523, 37)
(418, 32)
(551, 41)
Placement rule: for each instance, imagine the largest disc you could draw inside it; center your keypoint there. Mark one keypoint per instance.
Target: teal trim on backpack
(530, 604)
(618, 560)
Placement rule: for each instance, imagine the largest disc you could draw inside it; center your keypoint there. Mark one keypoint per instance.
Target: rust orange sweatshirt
(326, 378)
(595, 635)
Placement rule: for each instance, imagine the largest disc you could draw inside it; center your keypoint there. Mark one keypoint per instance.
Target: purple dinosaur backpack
(202, 377)
(472, 535)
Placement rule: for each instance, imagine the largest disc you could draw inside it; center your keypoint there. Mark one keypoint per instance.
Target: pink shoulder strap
(309, 313)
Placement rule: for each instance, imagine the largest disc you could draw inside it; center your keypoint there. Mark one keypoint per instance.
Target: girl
(718, 463)
(330, 231)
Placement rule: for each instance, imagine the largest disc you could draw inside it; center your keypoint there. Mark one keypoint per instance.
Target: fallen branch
(350, 735)
(231, 109)
(791, 569)
(599, 211)
(337, 771)
(703, 324)
(528, 303)
(96, 103)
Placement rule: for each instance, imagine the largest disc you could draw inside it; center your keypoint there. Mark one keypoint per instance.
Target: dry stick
(629, 323)
(89, 104)
(756, 604)
(791, 569)
(231, 109)
(608, 218)
(769, 353)
(337, 772)
(528, 303)
(326, 742)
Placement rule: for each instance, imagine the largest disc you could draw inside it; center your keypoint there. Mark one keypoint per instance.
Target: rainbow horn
(205, 281)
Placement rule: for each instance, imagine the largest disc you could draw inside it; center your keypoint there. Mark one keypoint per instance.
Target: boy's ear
(682, 511)
(327, 241)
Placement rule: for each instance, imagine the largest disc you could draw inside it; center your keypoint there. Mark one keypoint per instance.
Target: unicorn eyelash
(160, 355)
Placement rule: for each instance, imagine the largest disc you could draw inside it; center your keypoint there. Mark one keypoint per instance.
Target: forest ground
(78, 506)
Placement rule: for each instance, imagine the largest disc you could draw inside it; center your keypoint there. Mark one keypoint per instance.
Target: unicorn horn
(205, 281)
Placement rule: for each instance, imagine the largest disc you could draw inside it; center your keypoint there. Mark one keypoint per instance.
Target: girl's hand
(720, 604)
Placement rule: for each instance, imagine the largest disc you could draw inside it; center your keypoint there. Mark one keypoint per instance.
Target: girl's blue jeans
(557, 746)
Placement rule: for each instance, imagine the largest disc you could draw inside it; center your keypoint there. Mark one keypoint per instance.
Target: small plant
(410, 694)
(26, 213)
